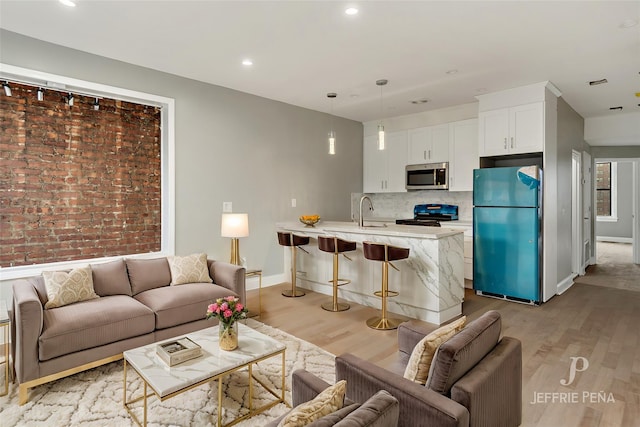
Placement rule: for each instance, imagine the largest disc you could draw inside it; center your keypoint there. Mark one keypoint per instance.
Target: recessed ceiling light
(247, 62)
(420, 101)
(452, 71)
(615, 108)
(598, 82)
(68, 3)
(628, 23)
(351, 11)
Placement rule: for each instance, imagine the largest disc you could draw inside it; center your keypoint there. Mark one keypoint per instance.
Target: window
(606, 194)
(111, 223)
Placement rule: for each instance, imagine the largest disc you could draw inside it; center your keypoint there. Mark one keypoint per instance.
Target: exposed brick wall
(77, 183)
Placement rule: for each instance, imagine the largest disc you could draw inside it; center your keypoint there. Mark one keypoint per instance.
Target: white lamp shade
(234, 225)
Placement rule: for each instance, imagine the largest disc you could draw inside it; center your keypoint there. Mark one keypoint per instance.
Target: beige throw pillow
(189, 269)
(417, 369)
(65, 288)
(328, 401)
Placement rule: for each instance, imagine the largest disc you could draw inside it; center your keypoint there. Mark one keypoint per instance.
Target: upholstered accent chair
(379, 410)
(475, 378)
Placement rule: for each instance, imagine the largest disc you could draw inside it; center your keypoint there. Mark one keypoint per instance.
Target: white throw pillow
(189, 269)
(417, 369)
(65, 288)
(328, 401)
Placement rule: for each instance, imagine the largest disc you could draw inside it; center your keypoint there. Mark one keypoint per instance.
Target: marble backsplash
(400, 205)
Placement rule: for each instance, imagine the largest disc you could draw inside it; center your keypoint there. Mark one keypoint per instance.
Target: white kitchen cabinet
(513, 130)
(428, 145)
(384, 170)
(463, 154)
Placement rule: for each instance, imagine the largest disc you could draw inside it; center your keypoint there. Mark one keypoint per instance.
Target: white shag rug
(94, 397)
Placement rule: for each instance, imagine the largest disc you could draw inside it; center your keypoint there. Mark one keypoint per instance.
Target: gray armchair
(379, 410)
(475, 378)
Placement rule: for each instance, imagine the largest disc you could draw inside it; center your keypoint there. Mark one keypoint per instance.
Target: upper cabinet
(384, 170)
(463, 154)
(428, 145)
(514, 130)
(521, 120)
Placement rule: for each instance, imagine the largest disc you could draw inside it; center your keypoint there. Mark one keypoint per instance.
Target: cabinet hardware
(505, 143)
(429, 154)
(511, 142)
(424, 154)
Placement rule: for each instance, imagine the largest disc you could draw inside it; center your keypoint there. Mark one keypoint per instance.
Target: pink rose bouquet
(227, 310)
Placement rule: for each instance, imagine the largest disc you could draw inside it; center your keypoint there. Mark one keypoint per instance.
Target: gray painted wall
(570, 137)
(230, 146)
(623, 227)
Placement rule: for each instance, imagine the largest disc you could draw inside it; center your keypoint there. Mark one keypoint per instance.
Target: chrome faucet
(360, 218)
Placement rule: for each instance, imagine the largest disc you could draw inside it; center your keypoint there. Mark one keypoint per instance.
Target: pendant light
(332, 134)
(381, 83)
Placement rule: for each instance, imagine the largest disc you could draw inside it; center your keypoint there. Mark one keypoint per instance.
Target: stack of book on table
(177, 351)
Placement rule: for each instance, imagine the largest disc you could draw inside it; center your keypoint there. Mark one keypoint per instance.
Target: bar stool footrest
(389, 294)
(341, 306)
(341, 282)
(383, 323)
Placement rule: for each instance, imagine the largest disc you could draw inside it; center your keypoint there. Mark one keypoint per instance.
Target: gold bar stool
(295, 241)
(336, 246)
(386, 254)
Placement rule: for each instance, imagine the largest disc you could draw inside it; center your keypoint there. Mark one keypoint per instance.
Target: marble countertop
(372, 228)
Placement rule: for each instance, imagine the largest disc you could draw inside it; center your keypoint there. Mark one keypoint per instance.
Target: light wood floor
(601, 324)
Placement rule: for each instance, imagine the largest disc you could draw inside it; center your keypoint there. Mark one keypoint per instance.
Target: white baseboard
(274, 279)
(614, 239)
(566, 283)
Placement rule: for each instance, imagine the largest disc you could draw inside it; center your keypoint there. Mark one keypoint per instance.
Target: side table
(258, 273)
(5, 322)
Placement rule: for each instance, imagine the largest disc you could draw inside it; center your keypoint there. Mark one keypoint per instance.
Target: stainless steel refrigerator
(507, 238)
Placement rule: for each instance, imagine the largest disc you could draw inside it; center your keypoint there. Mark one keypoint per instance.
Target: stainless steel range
(431, 214)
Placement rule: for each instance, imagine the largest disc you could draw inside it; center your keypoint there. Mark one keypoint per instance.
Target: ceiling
(302, 50)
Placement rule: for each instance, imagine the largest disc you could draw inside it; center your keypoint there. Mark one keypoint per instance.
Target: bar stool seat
(336, 246)
(294, 241)
(384, 253)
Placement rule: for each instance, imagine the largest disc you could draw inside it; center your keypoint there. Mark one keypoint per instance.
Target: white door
(396, 161)
(526, 128)
(587, 192)
(493, 132)
(439, 150)
(374, 166)
(419, 145)
(576, 213)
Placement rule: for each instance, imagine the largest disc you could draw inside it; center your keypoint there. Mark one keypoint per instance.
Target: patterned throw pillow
(328, 401)
(417, 369)
(189, 269)
(65, 288)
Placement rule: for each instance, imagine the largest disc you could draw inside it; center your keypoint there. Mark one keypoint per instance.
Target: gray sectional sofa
(137, 306)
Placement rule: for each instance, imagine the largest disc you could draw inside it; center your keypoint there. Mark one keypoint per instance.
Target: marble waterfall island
(430, 281)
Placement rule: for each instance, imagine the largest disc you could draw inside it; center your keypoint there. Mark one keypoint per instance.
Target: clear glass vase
(228, 336)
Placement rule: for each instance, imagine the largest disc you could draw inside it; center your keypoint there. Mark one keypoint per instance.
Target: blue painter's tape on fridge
(507, 244)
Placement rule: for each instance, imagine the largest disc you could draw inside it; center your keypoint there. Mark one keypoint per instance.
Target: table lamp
(235, 225)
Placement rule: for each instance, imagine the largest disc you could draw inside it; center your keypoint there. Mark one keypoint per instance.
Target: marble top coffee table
(214, 364)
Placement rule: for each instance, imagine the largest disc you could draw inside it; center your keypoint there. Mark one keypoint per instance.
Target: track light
(7, 88)
(96, 105)
(40, 94)
(70, 99)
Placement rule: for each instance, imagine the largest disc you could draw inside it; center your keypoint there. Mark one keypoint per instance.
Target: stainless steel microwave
(430, 176)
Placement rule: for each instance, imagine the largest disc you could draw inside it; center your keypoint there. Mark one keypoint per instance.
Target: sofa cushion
(65, 288)
(145, 274)
(327, 401)
(380, 410)
(463, 351)
(189, 269)
(110, 278)
(92, 323)
(417, 368)
(175, 305)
